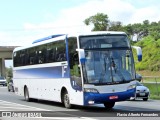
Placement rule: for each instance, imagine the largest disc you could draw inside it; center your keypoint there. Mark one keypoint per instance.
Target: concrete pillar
(2, 67)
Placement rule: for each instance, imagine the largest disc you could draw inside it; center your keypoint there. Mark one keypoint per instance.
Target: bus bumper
(99, 98)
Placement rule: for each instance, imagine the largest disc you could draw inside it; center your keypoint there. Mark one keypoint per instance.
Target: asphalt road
(53, 110)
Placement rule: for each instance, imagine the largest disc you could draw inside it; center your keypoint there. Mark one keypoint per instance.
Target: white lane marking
(23, 105)
(66, 118)
(56, 118)
(16, 108)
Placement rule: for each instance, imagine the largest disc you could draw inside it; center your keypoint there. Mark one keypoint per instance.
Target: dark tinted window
(74, 61)
(60, 51)
(73, 54)
(16, 57)
(47, 53)
(103, 41)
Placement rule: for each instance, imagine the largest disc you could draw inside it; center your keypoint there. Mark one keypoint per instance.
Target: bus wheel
(145, 99)
(109, 105)
(9, 90)
(66, 100)
(26, 94)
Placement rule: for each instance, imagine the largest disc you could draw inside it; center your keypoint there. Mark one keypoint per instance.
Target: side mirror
(81, 55)
(139, 52)
(138, 77)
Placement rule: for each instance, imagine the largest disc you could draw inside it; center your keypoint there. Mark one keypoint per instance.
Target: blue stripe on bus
(102, 98)
(139, 57)
(46, 72)
(47, 38)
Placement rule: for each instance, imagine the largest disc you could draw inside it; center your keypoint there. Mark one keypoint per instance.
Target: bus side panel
(46, 83)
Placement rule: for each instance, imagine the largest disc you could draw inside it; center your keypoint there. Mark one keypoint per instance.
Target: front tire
(145, 99)
(26, 94)
(66, 100)
(9, 90)
(13, 89)
(109, 105)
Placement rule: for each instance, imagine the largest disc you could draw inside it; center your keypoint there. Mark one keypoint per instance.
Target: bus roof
(47, 38)
(62, 36)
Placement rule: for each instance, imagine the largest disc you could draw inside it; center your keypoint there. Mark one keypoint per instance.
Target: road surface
(53, 110)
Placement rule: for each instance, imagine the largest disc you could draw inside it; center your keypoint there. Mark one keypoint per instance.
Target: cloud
(150, 13)
(117, 10)
(71, 19)
(20, 38)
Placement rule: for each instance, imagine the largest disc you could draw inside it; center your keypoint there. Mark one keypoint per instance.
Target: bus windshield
(108, 66)
(109, 59)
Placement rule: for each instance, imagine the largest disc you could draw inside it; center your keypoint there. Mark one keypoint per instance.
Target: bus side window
(27, 58)
(53, 55)
(36, 57)
(50, 53)
(60, 51)
(74, 62)
(41, 54)
(16, 58)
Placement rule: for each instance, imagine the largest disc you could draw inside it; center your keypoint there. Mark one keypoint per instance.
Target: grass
(151, 79)
(154, 90)
(150, 76)
(148, 73)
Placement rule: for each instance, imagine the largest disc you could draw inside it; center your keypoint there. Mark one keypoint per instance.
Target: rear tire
(9, 90)
(66, 100)
(13, 89)
(26, 94)
(109, 105)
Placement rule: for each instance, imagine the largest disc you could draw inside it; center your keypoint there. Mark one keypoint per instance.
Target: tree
(137, 30)
(116, 26)
(129, 30)
(100, 22)
(145, 28)
(154, 30)
(9, 73)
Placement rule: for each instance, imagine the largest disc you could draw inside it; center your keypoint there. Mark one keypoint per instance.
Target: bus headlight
(92, 90)
(131, 87)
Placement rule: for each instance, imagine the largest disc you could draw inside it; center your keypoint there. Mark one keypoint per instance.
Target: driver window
(74, 62)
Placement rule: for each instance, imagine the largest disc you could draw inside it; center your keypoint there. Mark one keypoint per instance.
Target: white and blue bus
(77, 69)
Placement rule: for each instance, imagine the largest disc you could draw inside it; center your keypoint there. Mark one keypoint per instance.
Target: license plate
(142, 94)
(113, 97)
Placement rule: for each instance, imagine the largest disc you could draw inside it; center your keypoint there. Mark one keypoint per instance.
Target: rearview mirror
(81, 55)
(138, 77)
(139, 52)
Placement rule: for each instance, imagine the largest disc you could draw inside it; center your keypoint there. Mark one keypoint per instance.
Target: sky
(23, 21)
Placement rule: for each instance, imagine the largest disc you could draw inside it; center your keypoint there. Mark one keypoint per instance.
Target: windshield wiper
(113, 65)
(103, 73)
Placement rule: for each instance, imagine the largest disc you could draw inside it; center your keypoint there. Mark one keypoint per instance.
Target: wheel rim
(66, 100)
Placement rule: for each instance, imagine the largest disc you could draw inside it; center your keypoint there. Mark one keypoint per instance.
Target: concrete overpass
(5, 54)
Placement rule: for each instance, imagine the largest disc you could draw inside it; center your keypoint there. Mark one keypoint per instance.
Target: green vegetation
(9, 74)
(154, 90)
(151, 54)
(151, 79)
